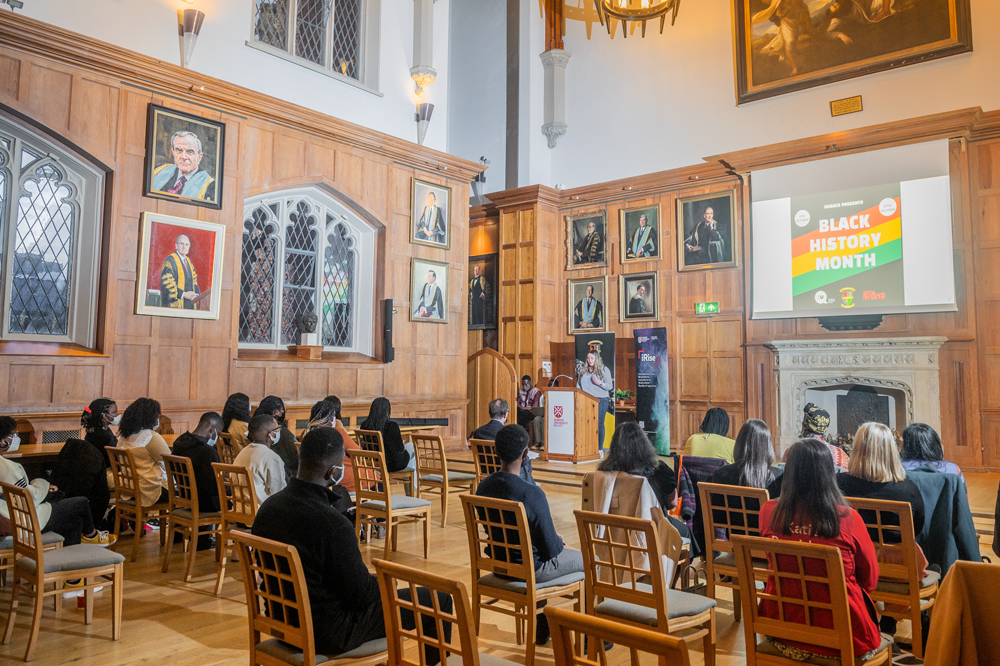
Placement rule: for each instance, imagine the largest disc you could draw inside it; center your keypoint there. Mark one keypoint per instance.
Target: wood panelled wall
(191, 366)
(721, 360)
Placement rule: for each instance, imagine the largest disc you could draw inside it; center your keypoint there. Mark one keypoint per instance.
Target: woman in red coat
(812, 509)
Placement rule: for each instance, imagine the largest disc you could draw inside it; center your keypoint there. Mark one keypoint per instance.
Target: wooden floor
(167, 621)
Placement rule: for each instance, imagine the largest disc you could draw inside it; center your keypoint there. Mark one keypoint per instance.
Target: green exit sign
(706, 308)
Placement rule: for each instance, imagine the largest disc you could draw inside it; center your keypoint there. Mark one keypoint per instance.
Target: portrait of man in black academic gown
(589, 312)
(637, 304)
(430, 302)
(481, 297)
(591, 249)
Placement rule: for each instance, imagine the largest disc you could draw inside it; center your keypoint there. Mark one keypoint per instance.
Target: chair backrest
(239, 499)
(729, 510)
(276, 594)
(485, 457)
(430, 455)
(564, 623)
(123, 473)
(24, 524)
(808, 584)
(224, 445)
(890, 525)
(620, 554)
(392, 578)
(369, 440)
(181, 487)
(499, 540)
(369, 473)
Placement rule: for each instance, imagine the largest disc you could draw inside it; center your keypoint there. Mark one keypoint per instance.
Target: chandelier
(636, 11)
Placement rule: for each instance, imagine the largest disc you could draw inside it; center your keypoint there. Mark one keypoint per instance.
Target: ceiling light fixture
(636, 11)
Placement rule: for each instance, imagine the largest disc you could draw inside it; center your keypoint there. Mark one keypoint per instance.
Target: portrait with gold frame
(638, 297)
(708, 231)
(584, 319)
(639, 242)
(586, 246)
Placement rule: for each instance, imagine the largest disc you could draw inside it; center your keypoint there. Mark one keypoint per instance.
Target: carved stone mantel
(908, 365)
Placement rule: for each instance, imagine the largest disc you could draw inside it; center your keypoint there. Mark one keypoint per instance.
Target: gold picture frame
(426, 306)
(577, 292)
(635, 306)
(583, 251)
(637, 249)
(434, 232)
(718, 246)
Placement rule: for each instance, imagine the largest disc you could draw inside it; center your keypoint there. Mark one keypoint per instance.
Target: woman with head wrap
(815, 422)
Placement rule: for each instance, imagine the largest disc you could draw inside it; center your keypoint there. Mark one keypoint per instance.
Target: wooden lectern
(570, 425)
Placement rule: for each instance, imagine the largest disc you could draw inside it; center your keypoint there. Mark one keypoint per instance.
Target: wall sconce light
(479, 182)
(423, 118)
(191, 26)
(423, 72)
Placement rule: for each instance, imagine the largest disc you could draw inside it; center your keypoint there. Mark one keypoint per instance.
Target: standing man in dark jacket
(199, 446)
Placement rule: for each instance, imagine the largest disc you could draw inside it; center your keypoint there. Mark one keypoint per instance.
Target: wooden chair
(97, 566)
(433, 474)
(128, 499)
(371, 440)
(374, 501)
(462, 648)
(224, 446)
(729, 510)
(890, 525)
(278, 605)
(238, 501)
(185, 514)
(792, 577)
(503, 567)
(485, 457)
(625, 582)
(564, 624)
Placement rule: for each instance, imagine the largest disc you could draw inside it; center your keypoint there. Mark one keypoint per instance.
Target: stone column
(554, 62)
(422, 73)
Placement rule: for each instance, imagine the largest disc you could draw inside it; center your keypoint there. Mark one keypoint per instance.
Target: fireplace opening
(850, 405)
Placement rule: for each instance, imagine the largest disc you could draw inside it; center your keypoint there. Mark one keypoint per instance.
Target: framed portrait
(588, 305)
(638, 297)
(180, 267)
(640, 233)
(786, 46)
(482, 292)
(428, 291)
(430, 214)
(184, 157)
(587, 240)
(708, 231)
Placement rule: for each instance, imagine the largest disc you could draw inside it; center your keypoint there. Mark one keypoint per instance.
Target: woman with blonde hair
(595, 379)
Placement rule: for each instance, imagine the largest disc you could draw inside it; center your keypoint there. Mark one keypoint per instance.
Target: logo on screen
(558, 411)
(821, 297)
(847, 296)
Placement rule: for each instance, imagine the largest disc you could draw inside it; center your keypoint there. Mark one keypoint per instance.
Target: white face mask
(213, 439)
(157, 426)
(115, 421)
(15, 442)
(274, 437)
(340, 478)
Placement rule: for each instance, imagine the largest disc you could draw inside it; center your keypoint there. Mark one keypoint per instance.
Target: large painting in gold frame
(788, 45)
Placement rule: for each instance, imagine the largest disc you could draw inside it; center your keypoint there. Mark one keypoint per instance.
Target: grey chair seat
(729, 560)
(484, 660)
(48, 538)
(679, 604)
(766, 648)
(398, 502)
(453, 477)
(80, 556)
(272, 647)
(186, 513)
(519, 586)
(904, 588)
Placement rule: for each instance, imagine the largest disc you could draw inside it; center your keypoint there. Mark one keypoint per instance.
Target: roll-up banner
(652, 386)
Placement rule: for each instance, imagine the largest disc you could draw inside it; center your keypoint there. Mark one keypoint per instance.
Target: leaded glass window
(51, 205)
(324, 253)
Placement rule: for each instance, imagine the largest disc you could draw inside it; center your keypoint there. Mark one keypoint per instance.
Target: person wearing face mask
(69, 517)
(138, 433)
(265, 466)
(285, 446)
(81, 469)
(199, 446)
(326, 414)
(97, 420)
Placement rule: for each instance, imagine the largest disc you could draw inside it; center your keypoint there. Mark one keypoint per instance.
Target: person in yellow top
(236, 420)
(712, 442)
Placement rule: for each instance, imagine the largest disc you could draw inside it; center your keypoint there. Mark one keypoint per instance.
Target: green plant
(622, 394)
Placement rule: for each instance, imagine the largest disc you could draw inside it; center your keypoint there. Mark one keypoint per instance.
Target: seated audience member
(813, 510)
(286, 446)
(922, 447)
(326, 414)
(753, 456)
(815, 421)
(712, 442)
(199, 446)
(528, 396)
(499, 412)
(138, 433)
(398, 455)
(96, 421)
(631, 452)
(265, 466)
(343, 596)
(70, 517)
(236, 419)
(552, 559)
(80, 472)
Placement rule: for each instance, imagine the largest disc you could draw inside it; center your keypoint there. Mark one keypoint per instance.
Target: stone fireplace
(901, 373)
